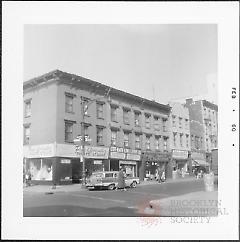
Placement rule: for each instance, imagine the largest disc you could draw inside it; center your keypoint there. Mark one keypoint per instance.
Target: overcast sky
(161, 62)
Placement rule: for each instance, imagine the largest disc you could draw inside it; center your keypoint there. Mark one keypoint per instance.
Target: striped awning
(199, 163)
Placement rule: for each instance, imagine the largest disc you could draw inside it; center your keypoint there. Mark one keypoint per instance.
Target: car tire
(111, 187)
(134, 184)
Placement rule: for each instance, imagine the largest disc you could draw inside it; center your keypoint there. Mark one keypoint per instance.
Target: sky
(160, 62)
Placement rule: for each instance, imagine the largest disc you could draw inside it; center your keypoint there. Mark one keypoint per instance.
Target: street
(103, 202)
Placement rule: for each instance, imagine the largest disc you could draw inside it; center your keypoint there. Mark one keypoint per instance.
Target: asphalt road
(102, 203)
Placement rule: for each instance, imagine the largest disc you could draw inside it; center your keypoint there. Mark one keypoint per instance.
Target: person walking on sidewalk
(121, 180)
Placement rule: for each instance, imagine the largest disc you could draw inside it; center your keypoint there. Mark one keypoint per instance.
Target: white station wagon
(109, 180)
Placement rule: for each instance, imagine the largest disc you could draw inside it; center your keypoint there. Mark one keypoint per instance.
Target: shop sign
(180, 154)
(122, 153)
(127, 162)
(133, 157)
(97, 162)
(65, 161)
(155, 156)
(117, 155)
(40, 151)
(197, 156)
(96, 152)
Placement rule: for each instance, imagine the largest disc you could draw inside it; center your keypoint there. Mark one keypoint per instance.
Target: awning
(199, 163)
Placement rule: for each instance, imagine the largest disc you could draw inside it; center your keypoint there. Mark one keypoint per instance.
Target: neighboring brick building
(203, 128)
(125, 130)
(180, 136)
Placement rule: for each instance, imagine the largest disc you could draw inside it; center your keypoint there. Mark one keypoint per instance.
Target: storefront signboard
(97, 162)
(180, 154)
(123, 153)
(156, 156)
(39, 151)
(65, 161)
(197, 156)
(127, 162)
(96, 152)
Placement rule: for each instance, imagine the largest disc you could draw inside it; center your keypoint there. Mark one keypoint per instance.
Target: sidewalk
(78, 187)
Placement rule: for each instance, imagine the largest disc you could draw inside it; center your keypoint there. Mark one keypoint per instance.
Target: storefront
(96, 159)
(128, 159)
(199, 161)
(180, 160)
(59, 163)
(151, 161)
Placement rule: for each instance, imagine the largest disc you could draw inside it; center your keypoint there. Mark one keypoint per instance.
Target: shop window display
(41, 169)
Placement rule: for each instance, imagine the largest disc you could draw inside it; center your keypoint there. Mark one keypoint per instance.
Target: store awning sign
(180, 154)
(124, 153)
(96, 152)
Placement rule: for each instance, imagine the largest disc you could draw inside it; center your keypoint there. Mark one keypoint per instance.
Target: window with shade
(157, 143)
(28, 104)
(113, 137)
(137, 119)
(100, 110)
(148, 121)
(137, 141)
(68, 131)
(175, 139)
(187, 140)
(26, 135)
(148, 142)
(165, 143)
(126, 139)
(181, 140)
(164, 120)
(126, 116)
(99, 135)
(85, 103)
(69, 103)
(156, 123)
(113, 114)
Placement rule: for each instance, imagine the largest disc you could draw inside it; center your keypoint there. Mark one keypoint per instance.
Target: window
(113, 114)
(180, 123)
(125, 116)
(156, 123)
(85, 103)
(157, 143)
(126, 139)
(147, 121)
(187, 141)
(186, 124)
(175, 139)
(28, 108)
(137, 119)
(114, 137)
(148, 142)
(192, 140)
(108, 175)
(68, 103)
(174, 121)
(137, 141)
(181, 140)
(26, 134)
(164, 124)
(68, 131)
(99, 136)
(86, 131)
(201, 140)
(165, 143)
(100, 110)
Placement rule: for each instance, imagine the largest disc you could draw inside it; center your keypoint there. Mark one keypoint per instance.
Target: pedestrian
(121, 180)
(159, 174)
(28, 178)
(163, 178)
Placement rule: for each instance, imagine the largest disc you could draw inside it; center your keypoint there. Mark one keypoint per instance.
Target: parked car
(109, 180)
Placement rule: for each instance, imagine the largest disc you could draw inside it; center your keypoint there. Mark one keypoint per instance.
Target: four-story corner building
(123, 130)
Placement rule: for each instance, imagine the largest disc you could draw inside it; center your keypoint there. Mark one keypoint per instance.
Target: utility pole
(82, 153)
